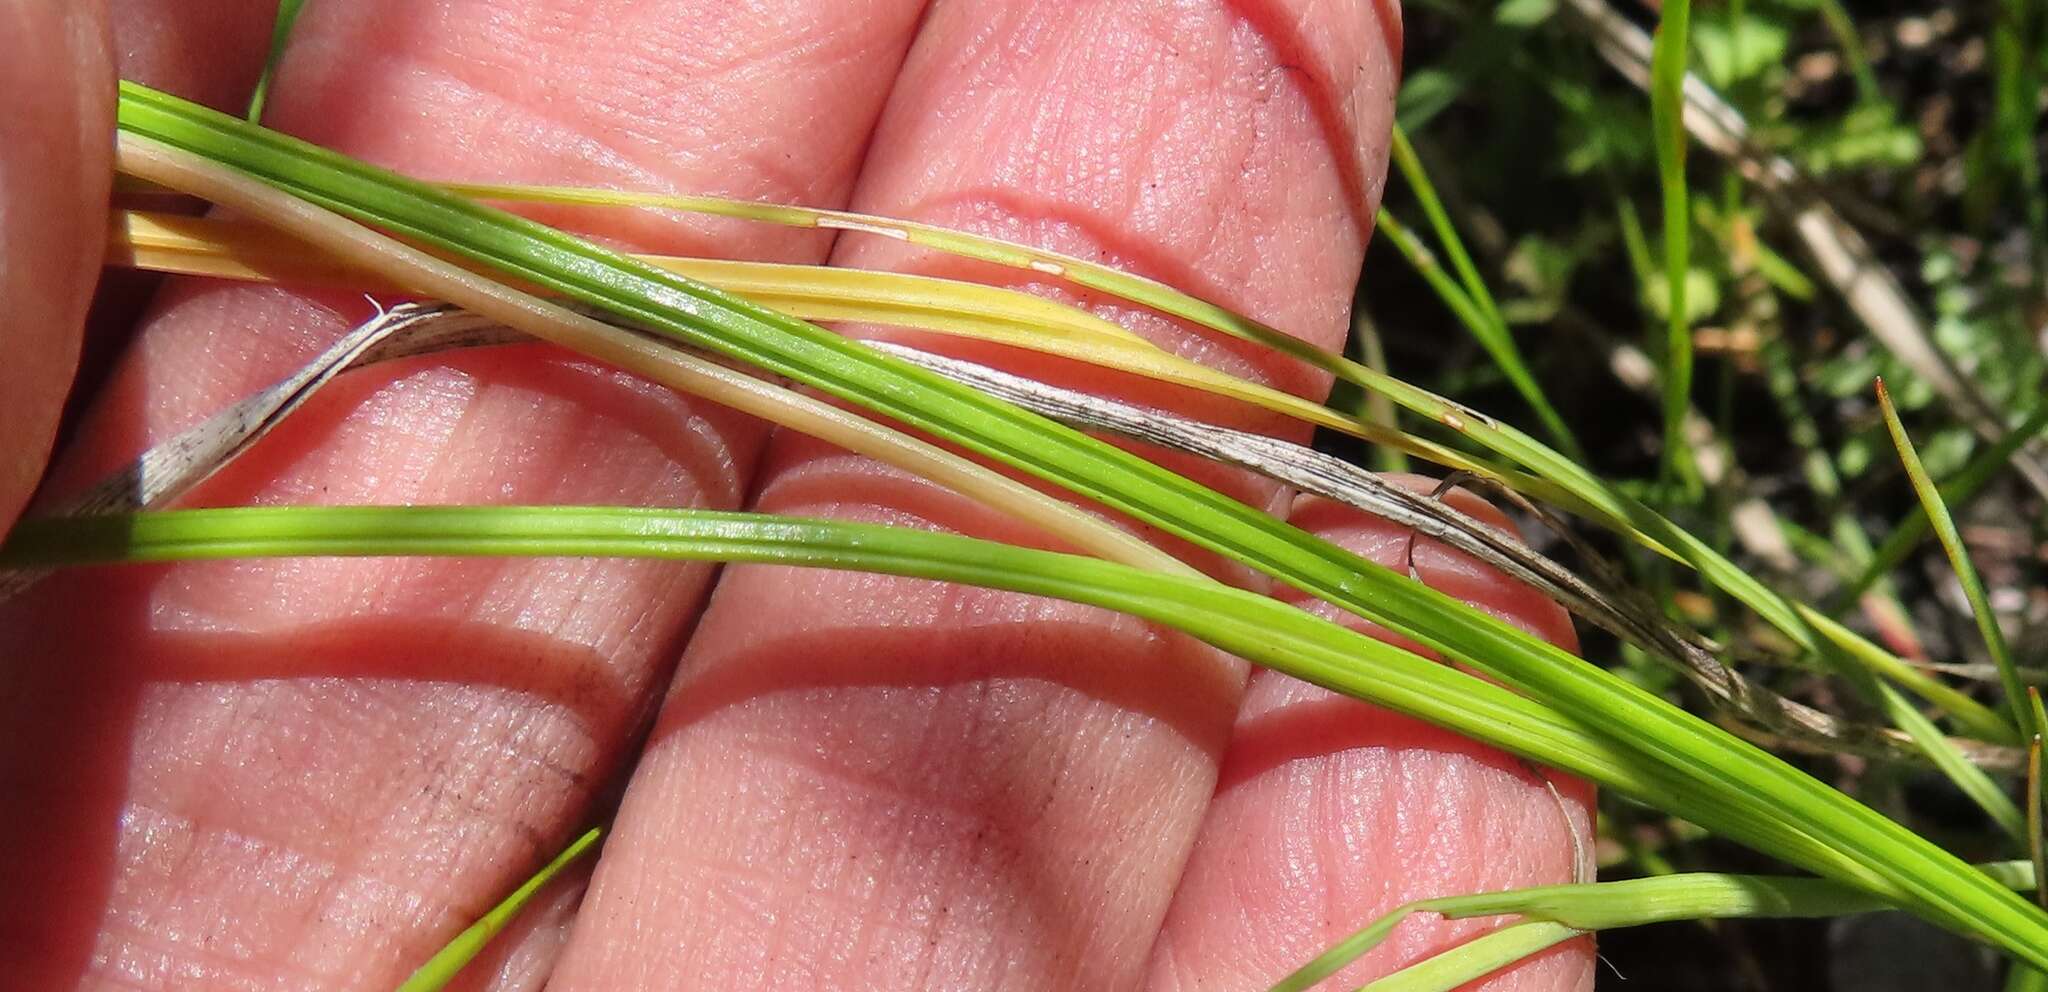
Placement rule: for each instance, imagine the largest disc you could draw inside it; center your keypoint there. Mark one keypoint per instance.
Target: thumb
(55, 167)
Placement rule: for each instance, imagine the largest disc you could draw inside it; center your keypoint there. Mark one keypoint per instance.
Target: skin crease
(308, 774)
(54, 170)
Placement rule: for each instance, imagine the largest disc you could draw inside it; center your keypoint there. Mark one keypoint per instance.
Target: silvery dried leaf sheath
(166, 471)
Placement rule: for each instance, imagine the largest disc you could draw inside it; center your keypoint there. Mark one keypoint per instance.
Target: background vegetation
(1920, 126)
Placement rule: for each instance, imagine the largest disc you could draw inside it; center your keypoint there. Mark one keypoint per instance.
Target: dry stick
(1298, 466)
(1844, 258)
(169, 469)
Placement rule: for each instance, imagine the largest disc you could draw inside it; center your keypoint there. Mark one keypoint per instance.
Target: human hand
(313, 772)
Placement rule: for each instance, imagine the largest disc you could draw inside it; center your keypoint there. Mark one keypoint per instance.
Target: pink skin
(54, 169)
(311, 773)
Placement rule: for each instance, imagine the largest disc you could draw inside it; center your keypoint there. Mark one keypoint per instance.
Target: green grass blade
(280, 33)
(1983, 467)
(1843, 27)
(1258, 628)
(1744, 792)
(1633, 902)
(1348, 950)
(1475, 958)
(2035, 848)
(1973, 781)
(1667, 112)
(1375, 408)
(1966, 573)
(1482, 315)
(1255, 627)
(1635, 244)
(2025, 979)
(441, 969)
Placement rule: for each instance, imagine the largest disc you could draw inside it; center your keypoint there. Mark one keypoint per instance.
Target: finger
(1329, 812)
(312, 772)
(58, 119)
(885, 783)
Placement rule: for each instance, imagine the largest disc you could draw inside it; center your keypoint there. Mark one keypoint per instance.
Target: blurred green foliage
(1921, 124)
(1903, 118)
